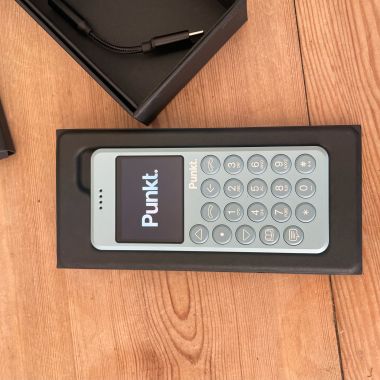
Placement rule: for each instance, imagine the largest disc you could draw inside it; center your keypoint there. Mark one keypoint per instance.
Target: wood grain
(71, 324)
(341, 50)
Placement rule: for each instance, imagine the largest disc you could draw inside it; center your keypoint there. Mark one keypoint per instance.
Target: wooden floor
(294, 63)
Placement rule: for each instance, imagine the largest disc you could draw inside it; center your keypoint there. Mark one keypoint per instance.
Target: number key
(257, 188)
(233, 164)
(233, 188)
(257, 212)
(281, 188)
(305, 188)
(233, 212)
(281, 164)
(281, 212)
(257, 164)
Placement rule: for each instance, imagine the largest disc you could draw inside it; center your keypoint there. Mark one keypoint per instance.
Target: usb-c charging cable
(172, 41)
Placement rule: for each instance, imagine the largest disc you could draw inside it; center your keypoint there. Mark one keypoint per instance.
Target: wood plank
(341, 48)
(122, 324)
(255, 80)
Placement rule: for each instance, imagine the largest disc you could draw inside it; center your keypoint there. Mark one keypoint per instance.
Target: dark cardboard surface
(143, 84)
(6, 143)
(343, 256)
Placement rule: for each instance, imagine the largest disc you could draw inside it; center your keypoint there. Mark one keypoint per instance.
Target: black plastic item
(6, 143)
(144, 83)
(343, 144)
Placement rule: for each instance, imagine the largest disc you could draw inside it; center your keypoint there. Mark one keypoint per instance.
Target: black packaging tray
(343, 144)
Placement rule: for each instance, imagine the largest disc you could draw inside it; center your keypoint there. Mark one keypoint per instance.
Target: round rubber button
(210, 188)
(233, 164)
(210, 212)
(233, 188)
(305, 188)
(281, 212)
(210, 165)
(222, 234)
(305, 212)
(233, 212)
(257, 188)
(293, 235)
(257, 212)
(245, 235)
(305, 164)
(257, 164)
(281, 164)
(281, 188)
(269, 235)
(199, 234)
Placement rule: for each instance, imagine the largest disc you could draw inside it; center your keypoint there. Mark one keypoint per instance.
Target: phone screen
(149, 199)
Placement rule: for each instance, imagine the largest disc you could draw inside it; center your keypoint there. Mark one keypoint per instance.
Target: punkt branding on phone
(269, 199)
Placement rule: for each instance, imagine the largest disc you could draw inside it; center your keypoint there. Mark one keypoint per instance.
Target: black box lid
(142, 84)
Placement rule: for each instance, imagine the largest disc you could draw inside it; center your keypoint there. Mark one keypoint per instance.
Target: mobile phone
(225, 199)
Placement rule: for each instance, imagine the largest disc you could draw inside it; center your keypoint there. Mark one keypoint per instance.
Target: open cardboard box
(142, 84)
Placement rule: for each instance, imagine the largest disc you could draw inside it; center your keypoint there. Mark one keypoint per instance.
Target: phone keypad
(257, 200)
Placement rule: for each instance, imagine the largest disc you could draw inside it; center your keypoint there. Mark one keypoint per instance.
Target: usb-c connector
(172, 41)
